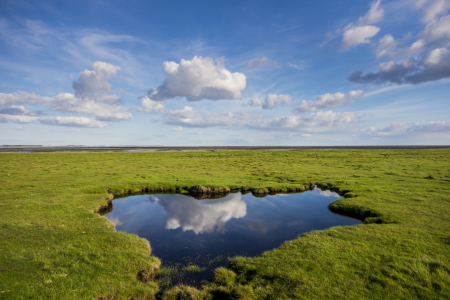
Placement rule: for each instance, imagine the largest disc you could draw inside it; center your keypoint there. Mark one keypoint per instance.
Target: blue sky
(225, 72)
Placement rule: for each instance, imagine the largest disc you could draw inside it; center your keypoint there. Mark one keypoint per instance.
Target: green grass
(53, 245)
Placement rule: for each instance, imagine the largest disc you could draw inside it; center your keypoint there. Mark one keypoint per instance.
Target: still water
(184, 231)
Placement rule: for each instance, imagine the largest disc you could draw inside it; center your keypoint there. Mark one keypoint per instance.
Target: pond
(193, 237)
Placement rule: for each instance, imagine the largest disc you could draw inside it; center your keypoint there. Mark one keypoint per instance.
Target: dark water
(183, 231)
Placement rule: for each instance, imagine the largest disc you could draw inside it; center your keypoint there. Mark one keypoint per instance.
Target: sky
(225, 73)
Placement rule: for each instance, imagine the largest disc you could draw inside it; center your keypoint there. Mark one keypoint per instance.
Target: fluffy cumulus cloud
(199, 78)
(436, 56)
(255, 101)
(329, 101)
(385, 45)
(94, 84)
(358, 35)
(257, 62)
(427, 58)
(151, 106)
(92, 96)
(310, 123)
(272, 101)
(362, 31)
(189, 117)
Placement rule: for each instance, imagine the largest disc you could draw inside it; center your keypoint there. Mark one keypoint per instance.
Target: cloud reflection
(327, 193)
(200, 216)
(115, 221)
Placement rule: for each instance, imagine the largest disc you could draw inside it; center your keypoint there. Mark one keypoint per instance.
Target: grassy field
(54, 246)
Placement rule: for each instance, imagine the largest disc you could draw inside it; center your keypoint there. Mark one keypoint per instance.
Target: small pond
(193, 237)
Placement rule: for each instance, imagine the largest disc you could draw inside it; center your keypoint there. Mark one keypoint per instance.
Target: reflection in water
(200, 216)
(183, 231)
(327, 193)
(115, 221)
(260, 227)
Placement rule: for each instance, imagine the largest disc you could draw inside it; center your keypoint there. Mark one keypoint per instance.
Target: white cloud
(329, 101)
(62, 121)
(437, 29)
(189, 117)
(436, 56)
(398, 129)
(21, 97)
(15, 110)
(72, 130)
(316, 122)
(358, 35)
(255, 101)
(178, 129)
(389, 48)
(93, 84)
(435, 34)
(435, 9)
(385, 46)
(391, 129)
(272, 100)
(199, 78)
(360, 32)
(257, 62)
(386, 66)
(443, 126)
(103, 111)
(433, 45)
(92, 96)
(311, 123)
(151, 106)
(432, 65)
(374, 15)
(69, 103)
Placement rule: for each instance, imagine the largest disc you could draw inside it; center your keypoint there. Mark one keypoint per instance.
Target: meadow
(55, 245)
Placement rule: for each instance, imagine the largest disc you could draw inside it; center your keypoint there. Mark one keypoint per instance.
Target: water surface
(184, 231)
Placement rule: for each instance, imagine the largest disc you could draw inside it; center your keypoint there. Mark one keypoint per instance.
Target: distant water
(184, 231)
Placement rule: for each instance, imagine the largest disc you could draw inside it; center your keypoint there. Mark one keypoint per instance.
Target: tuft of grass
(193, 268)
(224, 277)
(54, 246)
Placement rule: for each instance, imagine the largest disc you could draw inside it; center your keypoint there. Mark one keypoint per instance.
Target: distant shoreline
(29, 148)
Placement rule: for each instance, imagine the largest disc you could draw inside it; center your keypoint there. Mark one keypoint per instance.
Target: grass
(53, 245)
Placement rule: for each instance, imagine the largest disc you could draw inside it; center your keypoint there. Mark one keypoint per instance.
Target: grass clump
(223, 276)
(193, 268)
(183, 293)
